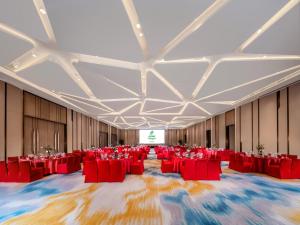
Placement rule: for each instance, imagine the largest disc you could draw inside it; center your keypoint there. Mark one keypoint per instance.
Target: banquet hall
(154, 112)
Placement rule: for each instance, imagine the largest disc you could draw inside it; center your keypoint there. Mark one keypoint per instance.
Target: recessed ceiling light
(138, 26)
(43, 11)
(259, 31)
(141, 34)
(15, 66)
(34, 55)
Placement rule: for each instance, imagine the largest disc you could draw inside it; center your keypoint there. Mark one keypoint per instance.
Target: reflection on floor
(153, 198)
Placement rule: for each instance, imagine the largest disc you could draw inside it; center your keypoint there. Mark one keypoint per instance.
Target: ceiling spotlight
(43, 11)
(34, 55)
(141, 34)
(15, 66)
(138, 26)
(264, 56)
(259, 31)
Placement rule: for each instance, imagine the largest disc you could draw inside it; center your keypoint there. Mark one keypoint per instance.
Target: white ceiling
(150, 64)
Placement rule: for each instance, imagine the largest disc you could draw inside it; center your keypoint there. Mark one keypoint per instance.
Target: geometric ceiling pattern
(151, 64)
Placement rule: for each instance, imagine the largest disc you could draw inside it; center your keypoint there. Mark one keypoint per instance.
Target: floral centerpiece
(260, 149)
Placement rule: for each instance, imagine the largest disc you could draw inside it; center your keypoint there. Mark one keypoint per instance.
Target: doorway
(208, 138)
(230, 137)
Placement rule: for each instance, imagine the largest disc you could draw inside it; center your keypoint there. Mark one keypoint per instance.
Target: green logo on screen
(151, 136)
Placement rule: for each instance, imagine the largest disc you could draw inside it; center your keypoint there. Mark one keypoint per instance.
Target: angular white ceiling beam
(238, 57)
(167, 83)
(136, 26)
(205, 76)
(159, 120)
(221, 102)
(120, 86)
(85, 103)
(106, 61)
(42, 12)
(186, 60)
(266, 88)
(74, 75)
(201, 108)
(285, 9)
(129, 107)
(183, 108)
(250, 82)
(11, 74)
(119, 99)
(18, 34)
(192, 27)
(144, 81)
(164, 108)
(28, 59)
(162, 100)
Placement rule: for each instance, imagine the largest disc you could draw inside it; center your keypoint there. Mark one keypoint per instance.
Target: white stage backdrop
(152, 136)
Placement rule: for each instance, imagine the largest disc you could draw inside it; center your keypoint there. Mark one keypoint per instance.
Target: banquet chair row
(23, 171)
(201, 169)
(104, 170)
(282, 167)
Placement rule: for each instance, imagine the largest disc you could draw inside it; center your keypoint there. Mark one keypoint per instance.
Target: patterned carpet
(153, 198)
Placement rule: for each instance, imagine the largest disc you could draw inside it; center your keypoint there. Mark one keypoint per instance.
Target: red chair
(3, 171)
(43, 165)
(188, 169)
(12, 171)
(117, 172)
(295, 169)
(28, 173)
(13, 158)
(91, 171)
(65, 166)
(103, 170)
(167, 166)
(213, 169)
(280, 168)
(137, 167)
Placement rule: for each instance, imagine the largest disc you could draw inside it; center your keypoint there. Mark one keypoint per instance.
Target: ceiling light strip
(182, 61)
(266, 88)
(9, 30)
(85, 103)
(136, 26)
(167, 83)
(28, 59)
(44, 90)
(199, 21)
(205, 76)
(201, 108)
(41, 10)
(285, 9)
(164, 108)
(120, 86)
(106, 61)
(250, 82)
(75, 76)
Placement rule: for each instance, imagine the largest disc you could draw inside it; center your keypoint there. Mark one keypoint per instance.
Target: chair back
(3, 171)
(13, 170)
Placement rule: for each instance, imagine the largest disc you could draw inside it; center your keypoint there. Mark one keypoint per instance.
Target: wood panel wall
(293, 119)
(2, 120)
(14, 121)
(272, 120)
